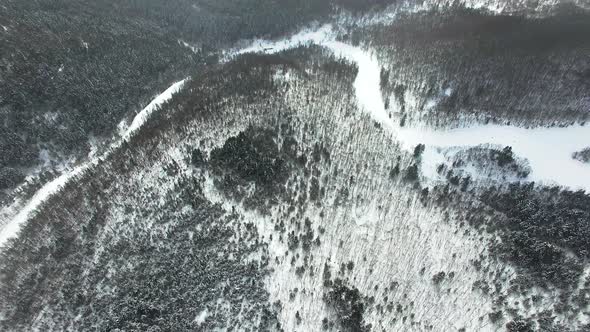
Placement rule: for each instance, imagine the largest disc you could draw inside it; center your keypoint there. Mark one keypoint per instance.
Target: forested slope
(461, 65)
(272, 192)
(71, 70)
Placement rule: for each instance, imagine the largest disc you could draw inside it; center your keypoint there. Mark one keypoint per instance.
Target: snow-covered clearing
(11, 227)
(305, 37)
(548, 150)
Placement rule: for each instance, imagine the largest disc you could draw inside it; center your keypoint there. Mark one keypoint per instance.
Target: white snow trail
(11, 228)
(367, 82)
(141, 118)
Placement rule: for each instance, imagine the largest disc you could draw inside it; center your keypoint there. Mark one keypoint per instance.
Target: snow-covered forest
(198, 165)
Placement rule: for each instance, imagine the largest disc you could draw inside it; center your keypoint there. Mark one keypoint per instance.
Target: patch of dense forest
(543, 232)
(70, 70)
(356, 6)
(583, 156)
(251, 157)
(129, 277)
(546, 231)
(247, 78)
(467, 63)
(348, 305)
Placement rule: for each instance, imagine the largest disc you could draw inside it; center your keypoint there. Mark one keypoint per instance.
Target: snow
(282, 76)
(392, 12)
(122, 127)
(194, 49)
(430, 104)
(200, 319)
(496, 7)
(367, 83)
(305, 37)
(94, 146)
(430, 159)
(141, 118)
(11, 227)
(548, 150)
(45, 157)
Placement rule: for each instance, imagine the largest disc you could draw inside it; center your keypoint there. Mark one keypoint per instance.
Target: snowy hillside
(391, 166)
